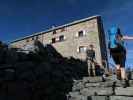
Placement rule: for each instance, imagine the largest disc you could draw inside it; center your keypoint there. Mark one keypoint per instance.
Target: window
(32, 38)
(54, 32)
(80, 34)
(58, 39)
(82, 49)
(53, 40)
(61, 38)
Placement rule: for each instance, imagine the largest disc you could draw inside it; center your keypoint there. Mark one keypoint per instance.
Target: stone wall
(93, 88)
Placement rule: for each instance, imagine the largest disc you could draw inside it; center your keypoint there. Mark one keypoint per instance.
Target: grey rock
(120, 98)
(92, 79)
(106, 84)
(97, 98)
(77, 81)
(78, 86)
(131, 83)
(78, 97)
(86, 80)
(118, 83)
(124, 91)
(96, 91)
(74, 93)
(92, 85)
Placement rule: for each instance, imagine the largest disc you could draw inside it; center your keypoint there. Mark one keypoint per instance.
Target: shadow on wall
(40, 75)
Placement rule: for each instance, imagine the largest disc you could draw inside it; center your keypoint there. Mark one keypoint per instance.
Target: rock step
(124, 91)
(93, 88)
(98, 82)
(105, 91)
(92, 91)
(80, 97)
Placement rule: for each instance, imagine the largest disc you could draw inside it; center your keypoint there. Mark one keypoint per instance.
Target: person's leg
(89, 67)
(117, 66)
(122, 66)
(93, 68)
(116, 59)
(118, 71)
(125, 81)
(123, 73)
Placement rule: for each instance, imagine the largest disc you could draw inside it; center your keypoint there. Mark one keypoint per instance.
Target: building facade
(72, 39)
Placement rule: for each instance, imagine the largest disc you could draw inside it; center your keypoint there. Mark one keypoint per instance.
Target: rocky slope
(93, 88)
(40, 75)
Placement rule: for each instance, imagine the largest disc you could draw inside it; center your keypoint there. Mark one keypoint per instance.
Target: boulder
(91, 91)
(120, 98)
(120, 91)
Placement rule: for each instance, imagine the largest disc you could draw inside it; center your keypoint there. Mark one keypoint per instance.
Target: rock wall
(93, 88)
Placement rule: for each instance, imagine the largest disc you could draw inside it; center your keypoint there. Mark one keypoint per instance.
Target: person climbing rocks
(91, 60)
(118, 53)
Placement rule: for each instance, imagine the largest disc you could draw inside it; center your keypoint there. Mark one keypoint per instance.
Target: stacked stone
(93, 88)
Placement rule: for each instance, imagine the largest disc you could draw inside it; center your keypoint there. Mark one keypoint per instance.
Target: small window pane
(61, 38)
(53, 40)
(82, 49)
(80, 33)
(54, 32)
(32, 38)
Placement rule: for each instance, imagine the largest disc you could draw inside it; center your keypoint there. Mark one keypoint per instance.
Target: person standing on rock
(91, 60)
(118, 52)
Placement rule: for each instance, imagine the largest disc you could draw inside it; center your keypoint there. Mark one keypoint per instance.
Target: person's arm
(128, 37)
(109, 49)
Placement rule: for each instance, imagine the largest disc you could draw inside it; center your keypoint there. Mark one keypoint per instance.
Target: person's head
(119, 35)
(91, 46)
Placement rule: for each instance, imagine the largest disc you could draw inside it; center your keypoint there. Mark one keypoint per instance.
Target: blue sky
(19, 18)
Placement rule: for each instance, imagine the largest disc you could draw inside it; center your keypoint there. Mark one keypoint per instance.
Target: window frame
(53, 40)
(79, 34)
(82, 49)
(61, 38)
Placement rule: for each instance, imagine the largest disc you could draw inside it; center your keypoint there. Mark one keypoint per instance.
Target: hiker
(118, 52)
(91, 59)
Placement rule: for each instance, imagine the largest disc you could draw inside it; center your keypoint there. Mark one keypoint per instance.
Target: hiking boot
(118, 73)
(125, 83)
(103, 78)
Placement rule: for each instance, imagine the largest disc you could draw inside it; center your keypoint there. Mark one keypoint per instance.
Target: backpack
(113, 41)
(112, 37)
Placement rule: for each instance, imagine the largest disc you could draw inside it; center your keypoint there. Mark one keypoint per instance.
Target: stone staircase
(93, 88)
